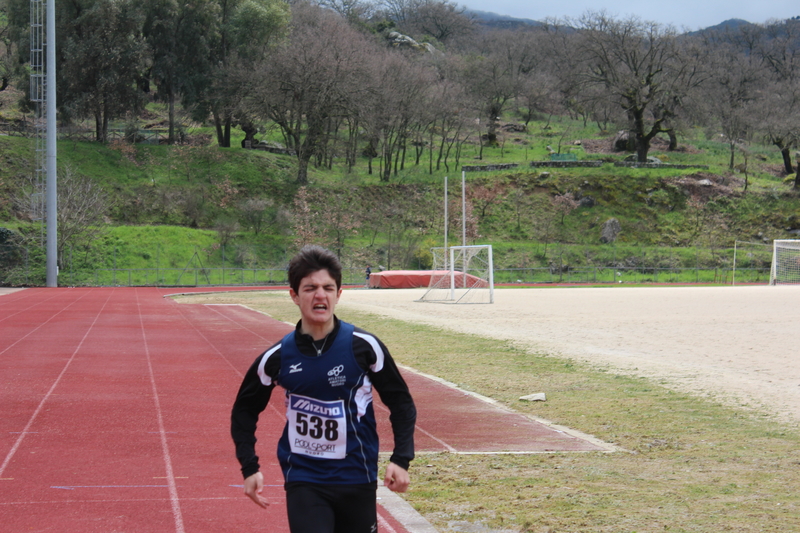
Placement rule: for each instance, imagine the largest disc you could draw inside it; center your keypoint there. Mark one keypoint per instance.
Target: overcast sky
(689, 14)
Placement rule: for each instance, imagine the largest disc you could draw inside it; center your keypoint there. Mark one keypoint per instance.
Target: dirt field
(731, 343)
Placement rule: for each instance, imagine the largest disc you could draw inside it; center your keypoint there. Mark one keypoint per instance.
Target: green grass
(200, 186)
(169, 255)
(691, 465)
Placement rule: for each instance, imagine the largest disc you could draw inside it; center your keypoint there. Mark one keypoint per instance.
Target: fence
(21, 266)
(188, 266)
(199, 277)
(600, 275)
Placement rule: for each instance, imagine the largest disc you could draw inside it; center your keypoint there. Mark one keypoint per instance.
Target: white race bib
(317, 428)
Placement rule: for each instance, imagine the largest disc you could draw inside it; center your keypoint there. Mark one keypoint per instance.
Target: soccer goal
(785, 262)
(461, 274)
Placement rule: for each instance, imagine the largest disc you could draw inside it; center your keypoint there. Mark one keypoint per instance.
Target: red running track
(115, 415)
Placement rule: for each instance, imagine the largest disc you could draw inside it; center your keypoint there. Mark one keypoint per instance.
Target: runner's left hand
(396, 478)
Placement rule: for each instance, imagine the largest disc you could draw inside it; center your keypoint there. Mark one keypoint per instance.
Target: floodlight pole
(52, 196)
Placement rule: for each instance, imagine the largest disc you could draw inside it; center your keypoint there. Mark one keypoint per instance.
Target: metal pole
(463, 209)
(452, 275)
(52, 183)
(445, 223)
(463, 226)
(491, 277)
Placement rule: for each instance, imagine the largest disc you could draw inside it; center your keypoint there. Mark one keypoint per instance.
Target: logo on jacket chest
(336, 378)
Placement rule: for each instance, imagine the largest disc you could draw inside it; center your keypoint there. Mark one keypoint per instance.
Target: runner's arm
(394, 393)
(251, 400)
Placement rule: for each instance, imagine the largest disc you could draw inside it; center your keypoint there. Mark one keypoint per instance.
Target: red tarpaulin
(409, 279)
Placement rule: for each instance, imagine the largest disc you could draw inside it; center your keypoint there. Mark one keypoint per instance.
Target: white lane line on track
(59, 502)
(35, 414)
(73, 487)
(222, 356)
(386, 526)
(26, 299)
(173, 488)
(421, 430)
(43, 324)
(226, 317)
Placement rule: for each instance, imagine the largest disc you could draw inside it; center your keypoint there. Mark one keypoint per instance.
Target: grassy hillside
(535, 217)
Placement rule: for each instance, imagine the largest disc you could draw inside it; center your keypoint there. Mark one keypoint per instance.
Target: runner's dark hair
(310, 259)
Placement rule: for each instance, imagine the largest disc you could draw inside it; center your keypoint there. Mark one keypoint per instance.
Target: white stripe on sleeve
(376, 347)
(265, 379)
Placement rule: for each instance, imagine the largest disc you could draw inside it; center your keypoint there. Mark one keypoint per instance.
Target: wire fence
(601, 275)
(237, 266)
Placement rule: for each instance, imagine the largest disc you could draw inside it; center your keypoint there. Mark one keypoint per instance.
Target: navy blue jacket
(351, 363)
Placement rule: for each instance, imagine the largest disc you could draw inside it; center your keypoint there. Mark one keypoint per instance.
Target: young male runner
(329, 447)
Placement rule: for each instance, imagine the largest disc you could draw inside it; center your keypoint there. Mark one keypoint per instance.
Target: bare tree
(226, 229)
(494, 74)
(350, 10)
(82, 209)
(441, 19)
(394, 105)
(643, 66)
(779, 47)
(324, 217)
(255, 213)
(448, 119)
(317, 75)
(484, 196)
(400, 11)
(538, 95)
(736, 82)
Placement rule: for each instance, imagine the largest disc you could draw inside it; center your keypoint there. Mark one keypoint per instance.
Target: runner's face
(317, 297)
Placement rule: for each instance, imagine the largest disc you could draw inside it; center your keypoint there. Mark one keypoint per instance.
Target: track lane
(124, 399)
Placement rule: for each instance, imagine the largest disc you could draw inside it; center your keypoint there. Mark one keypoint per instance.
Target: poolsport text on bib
(317, 428)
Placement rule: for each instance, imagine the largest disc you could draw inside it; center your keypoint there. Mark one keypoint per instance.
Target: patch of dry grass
(694, 465)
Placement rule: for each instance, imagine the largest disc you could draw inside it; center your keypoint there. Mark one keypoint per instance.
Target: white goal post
(785, 262)
(461, 274)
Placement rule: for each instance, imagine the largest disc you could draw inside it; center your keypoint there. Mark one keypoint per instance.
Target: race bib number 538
(317, 428)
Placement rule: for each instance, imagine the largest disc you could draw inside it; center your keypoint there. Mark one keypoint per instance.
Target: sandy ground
(6, 290)
(731, 343)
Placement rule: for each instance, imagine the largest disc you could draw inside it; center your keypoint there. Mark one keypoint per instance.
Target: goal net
(785, 262)
(461, 274)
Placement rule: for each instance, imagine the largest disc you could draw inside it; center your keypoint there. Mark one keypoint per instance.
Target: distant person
(369, 271)
(329, 447)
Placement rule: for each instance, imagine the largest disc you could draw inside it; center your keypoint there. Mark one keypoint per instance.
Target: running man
(329, 447)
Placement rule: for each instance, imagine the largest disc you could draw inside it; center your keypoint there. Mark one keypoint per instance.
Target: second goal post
(461, 274)
(785, 262)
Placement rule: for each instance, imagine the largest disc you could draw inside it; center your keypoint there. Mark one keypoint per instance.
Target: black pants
(314, 508)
